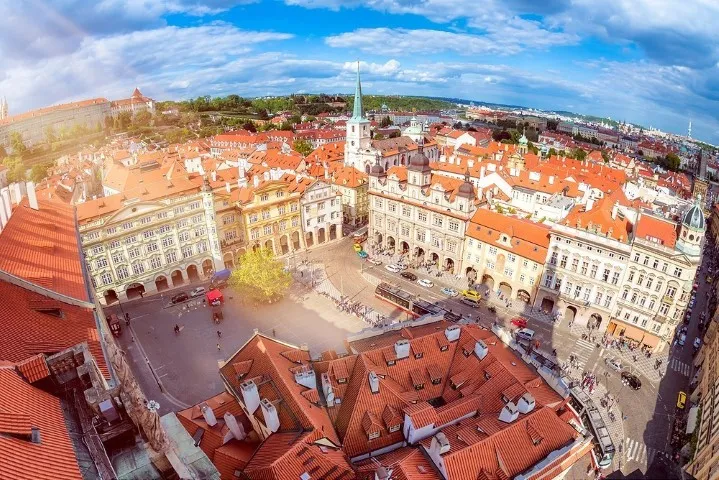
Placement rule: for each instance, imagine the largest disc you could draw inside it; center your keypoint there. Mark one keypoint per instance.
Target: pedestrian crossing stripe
(681, 367)
(585, 344)
(638, 452)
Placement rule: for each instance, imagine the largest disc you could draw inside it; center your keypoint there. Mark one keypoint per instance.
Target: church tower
(4, 112)
(358, 130)
(692, 229)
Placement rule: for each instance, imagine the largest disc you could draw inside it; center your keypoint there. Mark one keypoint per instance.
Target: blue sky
(652, 62)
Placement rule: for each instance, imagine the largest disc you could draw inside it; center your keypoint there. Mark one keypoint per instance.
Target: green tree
(260, 277)
(39, 172)
(302, 146)
(532, 148)
(123, 120)
(142, 119)
(378, 136)
(552, 152)
(579, 154)
(50, 134)
(394, 134)
(249, 126)
(605, 157)
(385, 122)
(16, 169)
(17, 144)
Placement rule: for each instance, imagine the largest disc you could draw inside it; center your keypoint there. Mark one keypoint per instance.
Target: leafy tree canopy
(260, 277)
(302, 146)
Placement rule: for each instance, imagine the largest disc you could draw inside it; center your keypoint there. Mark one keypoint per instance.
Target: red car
(519, 322)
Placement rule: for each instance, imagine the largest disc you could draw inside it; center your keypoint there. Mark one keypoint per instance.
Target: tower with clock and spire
(358, 130)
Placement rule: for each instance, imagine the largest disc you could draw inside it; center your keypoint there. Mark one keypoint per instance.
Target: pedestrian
(219, 334)
(218, 347)
(274, 335)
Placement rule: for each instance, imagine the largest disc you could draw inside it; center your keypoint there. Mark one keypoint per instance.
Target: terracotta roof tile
(650, 227)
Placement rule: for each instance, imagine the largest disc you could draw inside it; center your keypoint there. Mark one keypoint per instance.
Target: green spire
(358, 113)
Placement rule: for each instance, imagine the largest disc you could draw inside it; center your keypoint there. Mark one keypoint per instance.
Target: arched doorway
(176, 278)
(227, 258)
(270, 246)
(401, 159)
(570, 314)
(135, 290)
(309, 239)
(434, 258)
(333, 232)
(284, 246)
(161, 283)
(378, 239)
(207, 269)
(505, 289)
(321, 236)
(595, 321)
(366, 169)
(192, 274)
(419, 253)
(488, 281)
(547, 305)
(523, 295)
(296, 240)
(255, 247)
(111, 297)
(449, 265)
(471, 274)
(404, 246)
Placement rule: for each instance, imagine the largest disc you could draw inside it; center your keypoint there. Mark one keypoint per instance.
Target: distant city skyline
(645, 62)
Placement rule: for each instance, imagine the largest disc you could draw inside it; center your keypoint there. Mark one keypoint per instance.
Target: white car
(614, 364)
(374, 261)
(402, 266)
(425, 283)
(697, 342)
(392, 268)
(450, 292)
(198, 291)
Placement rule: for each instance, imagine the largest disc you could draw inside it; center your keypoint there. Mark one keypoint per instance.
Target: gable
(134, 210)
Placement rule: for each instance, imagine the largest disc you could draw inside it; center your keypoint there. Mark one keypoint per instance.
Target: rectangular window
(115, 244)
(577, 291)
(183, 223)
(406, 211)
(178, 210)
(171, 256)
(168, 242)
(200, 232)
(650, 280)
(568, 288)
(437, 221)
(253, 218)
(548, 280)
(295, 221)
(378, 202)
(511, 258)
(155, 262)
(111, 230)
(131, 239)
(493, 251)
(294, 207)
(97, 249)
(162, 215)
(281, 210)
(152, 247)
(630, 279)
(451, 246)
(122, 272)
(422, 216)
(615, 278)
(148, 234)
(184, 236)
(118, 257)
(197, 219)
(405, 231)
(232, 234)
(490, 265)
(671, 291)
(134, 252)
(164, 229)
(594, 271)
(391, 206)
(598, 298)
(127, 225)
(454, 226)
(106, 278)
(605, 275)
(267, 230)
(145, 220)
(265, 214)
(585, 267)
(508, 272)
(553, 259)
(563, 262)
(608, 301)
(194, 205)
(575, 264)
(187, 251)
(678, 272)
(101, 262)
(255, 233)
(138, 268)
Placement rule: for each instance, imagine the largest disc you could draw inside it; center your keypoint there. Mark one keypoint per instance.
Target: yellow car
(357, 247)
(682, 400)
(472, 294)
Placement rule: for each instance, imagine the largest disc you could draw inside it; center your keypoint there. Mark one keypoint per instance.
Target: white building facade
(321, 209)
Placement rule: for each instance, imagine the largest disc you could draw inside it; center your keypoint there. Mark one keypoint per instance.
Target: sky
(651, 62)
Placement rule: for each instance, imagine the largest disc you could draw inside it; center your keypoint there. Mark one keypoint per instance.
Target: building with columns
(413, 212)
(586, 263)
(662, 266)
(150, 238)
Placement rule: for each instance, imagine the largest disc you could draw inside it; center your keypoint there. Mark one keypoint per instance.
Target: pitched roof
(650, 227)
(42, 247)
(23, 406)
(55, 108)
(526, 238)
(599, 218)
(27, 331)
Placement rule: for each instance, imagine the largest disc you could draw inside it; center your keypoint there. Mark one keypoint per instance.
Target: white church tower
(358, 130)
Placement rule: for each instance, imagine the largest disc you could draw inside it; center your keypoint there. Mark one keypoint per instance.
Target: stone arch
(570, 314)
(547, 305)
(193, 274)
(296, 245)
(524, 296)
(161, 283)
(488, 281)
(449, 265)
(270, 245)
(419, 253)
(135, 290)
(391, 243)
(177, 278)
(309, 239)
(404, 246)
(284, 245)
(505, 289)
(321, 236)
(333, 232)
(595, 321)
(228, 260)
(111, 297)
(366, 169)
(471, 273)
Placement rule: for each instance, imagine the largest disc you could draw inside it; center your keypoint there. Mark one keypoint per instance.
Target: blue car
(362, 254)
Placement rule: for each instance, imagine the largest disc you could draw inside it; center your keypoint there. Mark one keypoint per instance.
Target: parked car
(425, 283)
(681, 400)
(697, 343)
(357, 247)
(362, 254)
(392, 268)
(470, 302)
(403, 266)
(525, 334)
(409, 276)
(374, 261)
(631, 380)
(180, 297)
(197, 292)
(473, 294)
(613, 363)
(450, 292)
(682, 339)
(519, 322)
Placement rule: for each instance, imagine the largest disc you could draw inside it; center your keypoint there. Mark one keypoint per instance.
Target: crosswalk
(636, 451)
(582, 351)
(681, 367)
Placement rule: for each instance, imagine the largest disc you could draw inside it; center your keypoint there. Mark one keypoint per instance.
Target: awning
(634, 333)
(213, 295)
(692, 420)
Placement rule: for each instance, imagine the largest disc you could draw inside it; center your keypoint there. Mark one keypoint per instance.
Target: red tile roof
(599, 219)
(650, 227)
(23, 406)
(27, 331)
(55, 108)
(42, 247)
(526, 238)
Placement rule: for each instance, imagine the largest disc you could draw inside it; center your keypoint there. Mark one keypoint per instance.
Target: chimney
(266, 175)
(551, 179)
(480, 349)
(209, 414)
(327, 389)
(401, 348)
(3, 216)
(238, 431)
(31, 195)
(250, 396)
(269, 412)
(526, 403)
(470, 163)
(213, 176)
(382, 474)
(509, 413)
(35, 435)
(6, 201)
(452, 333)
(227, 187)
(439, 445)
(482, 171)
(590, 203)
(327, 173)
(255, 181)
(615, 209)
(373, 382)
(306, 378)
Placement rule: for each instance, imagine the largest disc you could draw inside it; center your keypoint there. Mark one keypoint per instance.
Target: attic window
(536, 441)
(436, 381)
(341, 380)
(394, 428)
(444, 348)
(487, 375)
(418, 355)
(373, 435)
(391, 362)
(55, 312)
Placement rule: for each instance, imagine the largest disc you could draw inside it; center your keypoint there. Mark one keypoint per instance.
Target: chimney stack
(209, 414)
(238, 431)
(255, 181)
(615, 209)
(227, 187)
(32, 196)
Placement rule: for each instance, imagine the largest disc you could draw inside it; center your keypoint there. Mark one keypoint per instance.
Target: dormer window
(341, 380)
(394, 428)
(373, 435)
(418, 355)
(536, 441)
(391, 362)
(436, 381)
(444, 348)
(487, 375)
